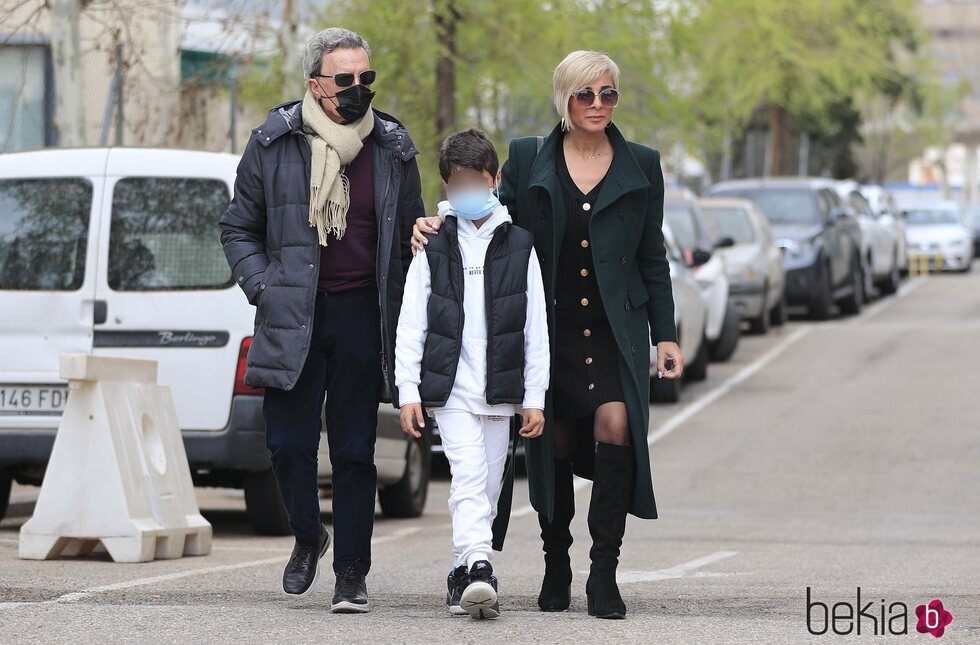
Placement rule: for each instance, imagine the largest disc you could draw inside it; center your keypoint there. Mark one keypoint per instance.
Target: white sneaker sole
(349, 608)
(478, 600)
(456, 610)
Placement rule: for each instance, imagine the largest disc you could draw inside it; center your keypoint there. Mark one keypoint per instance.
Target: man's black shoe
(350, 593)
(456, 583)
(479, 598)
(303, 569)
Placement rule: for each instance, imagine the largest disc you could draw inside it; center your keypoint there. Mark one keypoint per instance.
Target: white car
(682, 216)
(881, 250)
(690, 318)
(883, 206)
(115, 251)
(756, 275)
(938, 233)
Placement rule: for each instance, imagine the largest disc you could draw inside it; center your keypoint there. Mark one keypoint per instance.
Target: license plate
(45, 400)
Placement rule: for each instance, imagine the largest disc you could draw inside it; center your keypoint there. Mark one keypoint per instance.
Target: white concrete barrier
(118, 473)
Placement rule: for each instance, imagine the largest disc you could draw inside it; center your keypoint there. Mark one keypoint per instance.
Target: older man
(317, 237)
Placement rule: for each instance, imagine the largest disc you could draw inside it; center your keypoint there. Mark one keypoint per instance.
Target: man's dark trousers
(344, 363)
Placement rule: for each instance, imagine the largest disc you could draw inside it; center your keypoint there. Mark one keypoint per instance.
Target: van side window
(163, 234)
(44, 226)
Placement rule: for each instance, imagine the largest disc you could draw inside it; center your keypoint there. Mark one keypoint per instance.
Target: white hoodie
(469, 388)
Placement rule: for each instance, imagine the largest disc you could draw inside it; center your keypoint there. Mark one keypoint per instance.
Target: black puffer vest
(505, 273)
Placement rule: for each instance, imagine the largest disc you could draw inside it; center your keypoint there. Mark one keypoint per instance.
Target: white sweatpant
(476, 447)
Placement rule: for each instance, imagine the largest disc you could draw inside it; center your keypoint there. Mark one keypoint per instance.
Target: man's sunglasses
(608, 97)
(346, 79)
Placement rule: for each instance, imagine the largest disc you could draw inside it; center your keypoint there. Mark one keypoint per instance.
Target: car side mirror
(699, 257)
(837, 213)
(725, 242)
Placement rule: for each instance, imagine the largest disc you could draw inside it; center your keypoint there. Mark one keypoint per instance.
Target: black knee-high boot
(557, 539)
(612, 490)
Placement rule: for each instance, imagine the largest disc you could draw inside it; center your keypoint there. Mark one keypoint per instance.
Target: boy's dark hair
(467, 149)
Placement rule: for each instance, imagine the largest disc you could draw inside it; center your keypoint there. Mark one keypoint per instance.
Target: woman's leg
(612, 493)
(555, 535)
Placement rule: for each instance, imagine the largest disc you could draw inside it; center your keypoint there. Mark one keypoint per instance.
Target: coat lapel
(625, 174)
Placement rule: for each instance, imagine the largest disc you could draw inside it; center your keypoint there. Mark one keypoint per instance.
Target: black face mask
(354, 102)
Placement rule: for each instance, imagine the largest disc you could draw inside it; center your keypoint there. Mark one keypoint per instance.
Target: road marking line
(701, 402)
(684, 570)
(75, 596)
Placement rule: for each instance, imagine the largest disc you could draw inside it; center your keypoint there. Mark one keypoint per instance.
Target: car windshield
(780, 205)
(678, 215)
(931, 216)
(729, 222)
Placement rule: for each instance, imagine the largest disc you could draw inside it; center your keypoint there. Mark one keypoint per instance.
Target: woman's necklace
(584, 155)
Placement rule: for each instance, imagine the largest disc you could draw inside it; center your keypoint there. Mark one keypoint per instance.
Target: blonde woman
(594, 204)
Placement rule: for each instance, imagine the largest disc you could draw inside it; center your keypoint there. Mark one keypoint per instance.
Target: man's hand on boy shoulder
(533, 424)
(411, 413)
(422, 226)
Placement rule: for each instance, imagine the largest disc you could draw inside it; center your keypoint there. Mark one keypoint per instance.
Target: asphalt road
(831, 456)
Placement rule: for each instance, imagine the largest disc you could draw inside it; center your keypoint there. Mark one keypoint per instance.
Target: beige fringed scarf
(333, 146)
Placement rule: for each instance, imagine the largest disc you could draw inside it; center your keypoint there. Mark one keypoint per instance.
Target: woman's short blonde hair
(576, 72)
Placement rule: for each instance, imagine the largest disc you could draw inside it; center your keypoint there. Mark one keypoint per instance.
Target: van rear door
(49, 207)
(169, 292)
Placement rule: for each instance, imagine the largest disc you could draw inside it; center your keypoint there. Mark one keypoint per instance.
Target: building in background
(125, 72)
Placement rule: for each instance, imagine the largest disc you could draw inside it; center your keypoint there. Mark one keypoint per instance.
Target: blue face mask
(474, 203)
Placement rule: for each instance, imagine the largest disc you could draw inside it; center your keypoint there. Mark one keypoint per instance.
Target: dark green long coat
(631, 268)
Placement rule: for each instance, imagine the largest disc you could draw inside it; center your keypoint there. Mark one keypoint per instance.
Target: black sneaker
(303, 569)
(350, 593)
(456, 582)
(479, 597)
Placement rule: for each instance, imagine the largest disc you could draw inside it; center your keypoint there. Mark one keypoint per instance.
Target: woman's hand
(670, 361)
(423, 225)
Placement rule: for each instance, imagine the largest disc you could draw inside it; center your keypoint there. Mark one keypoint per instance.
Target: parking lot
(828, 456)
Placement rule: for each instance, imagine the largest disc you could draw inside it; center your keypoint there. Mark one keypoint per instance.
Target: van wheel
(6, 482)
(723, 348)
(665, 390)
(406, 497)
(698, 369)
(263, 504)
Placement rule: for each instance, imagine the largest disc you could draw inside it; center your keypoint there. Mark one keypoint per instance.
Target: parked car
(754, 264)
(938, 231)
(883, 206)
(880, 247)
(972, 216)
(691, 320)
(682, 216)
(820, 238)
(115, 251)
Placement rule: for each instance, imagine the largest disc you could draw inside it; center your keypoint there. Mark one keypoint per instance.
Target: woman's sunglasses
(346, 79)
(608, 97)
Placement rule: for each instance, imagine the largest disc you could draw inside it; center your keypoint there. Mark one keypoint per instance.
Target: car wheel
(778, 314)
(760, 324)
(891, 283)
(406, 497)
(823, 300)
(867, 270)
(6, 482)
(665, 390)
(263, 504)
(723, 348)
(698, 369)
(851, 303)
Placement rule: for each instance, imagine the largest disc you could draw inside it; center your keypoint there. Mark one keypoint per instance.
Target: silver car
(754, 262)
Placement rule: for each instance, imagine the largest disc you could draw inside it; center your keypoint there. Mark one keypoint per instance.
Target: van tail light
(240, 387)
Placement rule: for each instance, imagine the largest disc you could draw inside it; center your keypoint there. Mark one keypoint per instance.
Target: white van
(115, 251)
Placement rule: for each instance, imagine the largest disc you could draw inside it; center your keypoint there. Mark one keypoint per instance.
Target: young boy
(472, 347)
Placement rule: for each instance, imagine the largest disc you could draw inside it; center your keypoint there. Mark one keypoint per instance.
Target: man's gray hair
(325, 42)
